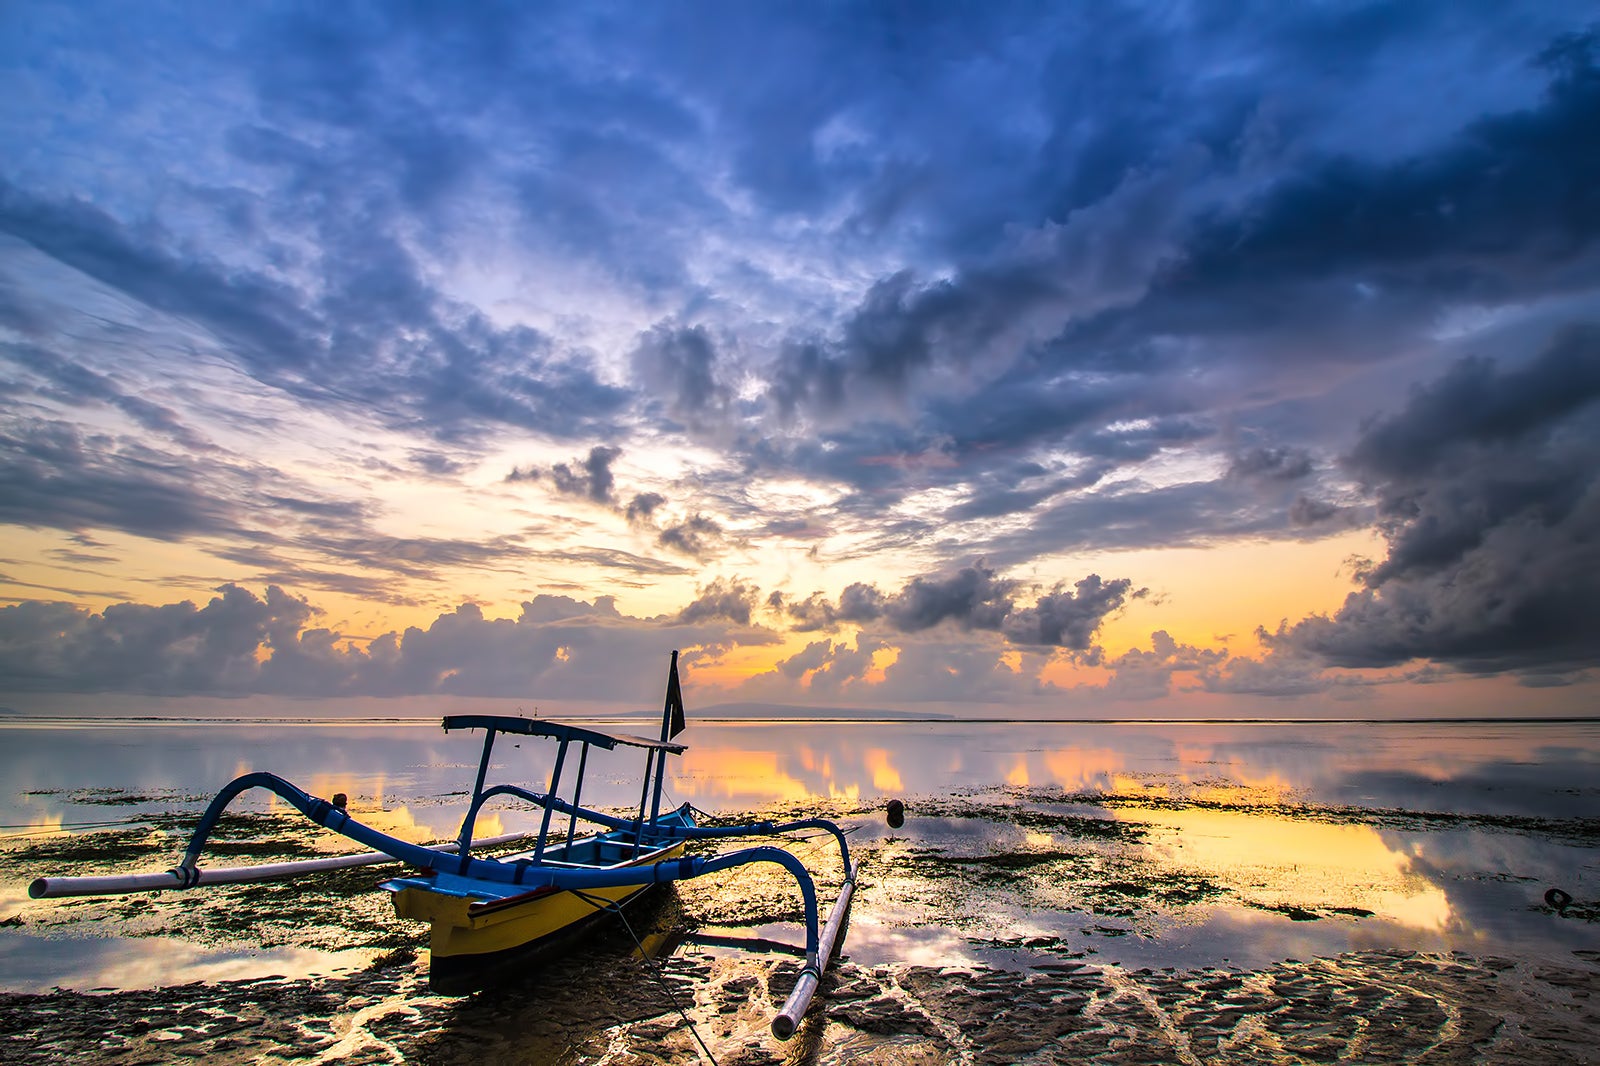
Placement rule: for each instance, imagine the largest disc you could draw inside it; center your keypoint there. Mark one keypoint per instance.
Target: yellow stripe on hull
(465, 927)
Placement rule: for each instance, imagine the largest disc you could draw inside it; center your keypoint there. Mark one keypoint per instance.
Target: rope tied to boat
(656, 969)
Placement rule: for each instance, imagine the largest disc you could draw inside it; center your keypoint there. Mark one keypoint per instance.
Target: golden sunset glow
(1216, 597)
(508, 441)
(1081, 768)
(885, 778)
(1289, 860)
(732, 774)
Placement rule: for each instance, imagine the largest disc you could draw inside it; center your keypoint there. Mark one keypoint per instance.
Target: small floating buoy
(339, 800)
(1558, 899)
(897, 814)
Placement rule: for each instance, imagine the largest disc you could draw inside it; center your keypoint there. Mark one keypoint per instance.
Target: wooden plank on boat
(544, 727)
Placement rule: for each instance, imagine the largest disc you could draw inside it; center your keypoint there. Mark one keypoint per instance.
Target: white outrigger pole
(651, 846)
(788, 1019)
(120, 884)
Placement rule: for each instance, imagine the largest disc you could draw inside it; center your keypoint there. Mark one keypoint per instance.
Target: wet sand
(996, 928)
(1361, 1007)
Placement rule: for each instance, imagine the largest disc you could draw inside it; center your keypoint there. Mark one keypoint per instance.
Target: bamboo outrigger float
(487, 914)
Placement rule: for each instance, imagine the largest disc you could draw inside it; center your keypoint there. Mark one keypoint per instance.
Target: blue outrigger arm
(453, 870)
(820, 940)
(525, 872)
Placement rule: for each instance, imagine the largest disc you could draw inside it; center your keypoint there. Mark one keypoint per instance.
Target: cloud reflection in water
(1283, 862)
(1236, 828)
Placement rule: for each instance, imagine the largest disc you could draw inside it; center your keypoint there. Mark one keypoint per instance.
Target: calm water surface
(1295, 840)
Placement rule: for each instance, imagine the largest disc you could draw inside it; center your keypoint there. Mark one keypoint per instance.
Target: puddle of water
(83, 963)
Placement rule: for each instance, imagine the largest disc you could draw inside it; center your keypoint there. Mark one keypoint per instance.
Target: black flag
(672, 722)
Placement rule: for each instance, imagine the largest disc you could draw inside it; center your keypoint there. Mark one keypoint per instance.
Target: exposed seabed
(1010, 926)
(1361, 1007)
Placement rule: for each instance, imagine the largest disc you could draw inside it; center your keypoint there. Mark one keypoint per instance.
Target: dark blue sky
(1034, 355)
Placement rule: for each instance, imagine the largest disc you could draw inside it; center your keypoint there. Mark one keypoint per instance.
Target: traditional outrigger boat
(487, 913)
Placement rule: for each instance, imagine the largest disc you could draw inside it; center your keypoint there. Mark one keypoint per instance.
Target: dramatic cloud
(1282, 674)
(375, 337)
(696, 535)
(176, 649)
(729, 599)
(409, 309)
(973, 598)
(1146, 675)
(858, 603)
(1489, 497)
(1069, 619)
(240, 644)
(1271, 464)
(54, 474)
(1506, 207)
(678, 367)
(591, 477)
(642, 506)
(828, 668)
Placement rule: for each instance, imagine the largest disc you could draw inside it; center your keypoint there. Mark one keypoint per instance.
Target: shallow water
(1141, 844)
(1096, 892)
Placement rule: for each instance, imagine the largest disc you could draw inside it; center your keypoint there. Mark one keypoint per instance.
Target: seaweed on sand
(1579, 831)
(157, 842)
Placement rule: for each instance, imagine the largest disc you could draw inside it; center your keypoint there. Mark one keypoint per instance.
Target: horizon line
(882, 719)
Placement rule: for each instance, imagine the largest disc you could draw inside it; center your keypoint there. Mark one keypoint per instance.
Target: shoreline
(1366, 1006)
(997, 924)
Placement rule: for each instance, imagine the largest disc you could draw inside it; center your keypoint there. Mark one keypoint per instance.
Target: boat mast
(671, 725)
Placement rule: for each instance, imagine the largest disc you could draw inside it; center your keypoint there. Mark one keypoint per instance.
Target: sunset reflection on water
(1233, 840)
(1314, 837)
(717, 775)
(1281, 862)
